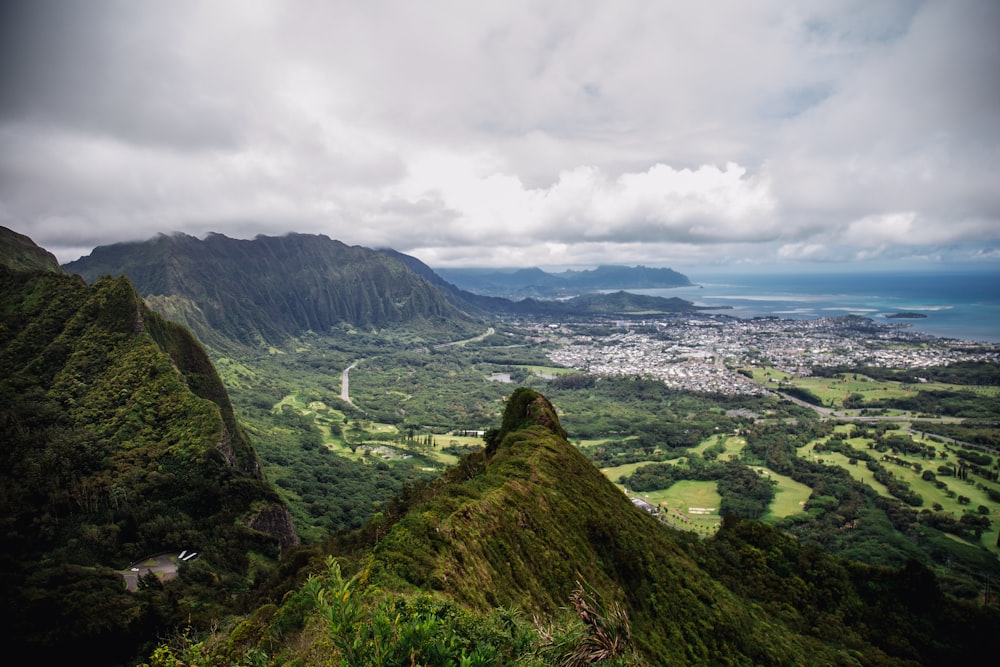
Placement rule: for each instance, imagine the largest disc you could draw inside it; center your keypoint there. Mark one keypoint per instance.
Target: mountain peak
(527, 408)
(20, 253)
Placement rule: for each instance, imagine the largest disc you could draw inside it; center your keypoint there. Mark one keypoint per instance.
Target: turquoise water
(963, 305)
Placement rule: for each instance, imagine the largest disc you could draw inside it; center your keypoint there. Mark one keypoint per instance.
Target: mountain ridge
(529, 528)
(117, 441)
(268, 290)
(19, 253)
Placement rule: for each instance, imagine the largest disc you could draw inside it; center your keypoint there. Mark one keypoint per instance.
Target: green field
(731, 446)
(689, 504)
(408, 397)
(833, 391)
(790, 497)
(910, 469)
(546, 371)
(361, 439)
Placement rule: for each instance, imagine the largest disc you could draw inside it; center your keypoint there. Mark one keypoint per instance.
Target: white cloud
(571, 131)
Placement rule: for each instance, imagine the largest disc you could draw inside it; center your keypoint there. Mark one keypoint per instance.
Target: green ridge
(529, 529)
(117, 441)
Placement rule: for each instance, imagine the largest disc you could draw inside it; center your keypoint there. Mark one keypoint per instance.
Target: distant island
(905, 316)
(536, 283)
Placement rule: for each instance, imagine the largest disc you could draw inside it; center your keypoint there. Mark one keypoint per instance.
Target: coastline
(962, 306)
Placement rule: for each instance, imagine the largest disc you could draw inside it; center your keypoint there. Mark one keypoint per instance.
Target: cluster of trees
(488, 542)
(971, 431)
(847, 517)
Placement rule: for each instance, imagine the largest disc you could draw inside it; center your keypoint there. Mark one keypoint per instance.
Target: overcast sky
(552, 133)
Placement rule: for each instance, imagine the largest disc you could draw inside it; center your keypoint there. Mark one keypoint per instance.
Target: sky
(558, 133)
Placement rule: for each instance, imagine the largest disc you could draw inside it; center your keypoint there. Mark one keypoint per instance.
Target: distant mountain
(537, 283)
(117, 442)
(625, 277)
(20, 253)
(528, 528)
(620, 303)
(617, 303)
(266, 290)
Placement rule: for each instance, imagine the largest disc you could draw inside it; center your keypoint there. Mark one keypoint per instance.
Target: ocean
(963, 305)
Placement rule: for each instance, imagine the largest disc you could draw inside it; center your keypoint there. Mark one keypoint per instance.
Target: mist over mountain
(266, 290)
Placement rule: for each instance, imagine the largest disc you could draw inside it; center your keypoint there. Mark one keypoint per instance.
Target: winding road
(345, 377)
(345, 383)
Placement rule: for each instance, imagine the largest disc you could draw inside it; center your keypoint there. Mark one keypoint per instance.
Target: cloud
(562, 131)
(707, 204)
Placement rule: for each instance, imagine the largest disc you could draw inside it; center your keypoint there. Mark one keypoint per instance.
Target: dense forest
(119, 442)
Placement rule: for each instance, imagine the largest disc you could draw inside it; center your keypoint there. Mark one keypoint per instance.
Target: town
(703, 352)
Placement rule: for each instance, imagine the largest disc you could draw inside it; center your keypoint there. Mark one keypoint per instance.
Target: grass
(543, 371)
(833, 391)
(732, 446)
(982, 390)
(930, 493)
(681, 498)
(359, 436)
(790, 497)
(858, 471)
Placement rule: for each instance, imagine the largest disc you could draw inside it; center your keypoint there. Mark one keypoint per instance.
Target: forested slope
(117, 441)
(529, 529)
(266, 290)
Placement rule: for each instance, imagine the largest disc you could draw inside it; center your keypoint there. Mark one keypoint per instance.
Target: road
(163, 565)
(489, 332)
(345, 380)
(854, 416)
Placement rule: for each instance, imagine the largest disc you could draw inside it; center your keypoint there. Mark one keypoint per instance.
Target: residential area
(700, 353)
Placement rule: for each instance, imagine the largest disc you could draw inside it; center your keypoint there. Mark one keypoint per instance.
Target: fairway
(688, 505)
(726, 446)
(789, 498)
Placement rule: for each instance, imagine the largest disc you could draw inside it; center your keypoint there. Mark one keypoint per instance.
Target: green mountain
(269, 289)
(19, 253)
(615, 303)
(528, 528)
(117, 442)
(593, 303)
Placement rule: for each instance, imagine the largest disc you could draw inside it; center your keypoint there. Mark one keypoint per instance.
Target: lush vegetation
(529, 527)
(118, 442)
(267, 290)
(123, 442)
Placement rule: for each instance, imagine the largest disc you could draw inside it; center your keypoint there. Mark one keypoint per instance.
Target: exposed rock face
(275, 520)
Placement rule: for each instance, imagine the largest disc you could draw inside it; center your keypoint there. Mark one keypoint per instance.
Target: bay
(957, 304)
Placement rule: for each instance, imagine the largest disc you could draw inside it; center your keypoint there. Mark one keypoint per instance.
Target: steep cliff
(117, 441)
